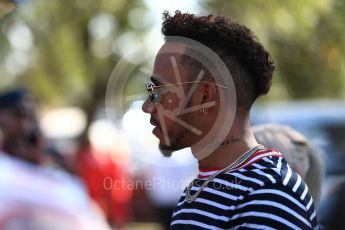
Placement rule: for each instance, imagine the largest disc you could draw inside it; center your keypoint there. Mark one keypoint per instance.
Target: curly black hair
(250, 64)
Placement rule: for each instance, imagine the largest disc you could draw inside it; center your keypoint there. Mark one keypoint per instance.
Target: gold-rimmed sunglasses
(155, 93)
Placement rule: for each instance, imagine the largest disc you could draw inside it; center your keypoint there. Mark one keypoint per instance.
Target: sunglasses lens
(156, 96)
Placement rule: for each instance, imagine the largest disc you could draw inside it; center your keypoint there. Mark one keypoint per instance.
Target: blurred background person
(102, 162)
(33, 198)
(107, 182)
(302, 156)
(21, 135)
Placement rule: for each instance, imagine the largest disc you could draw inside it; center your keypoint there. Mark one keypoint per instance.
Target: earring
(203, 111)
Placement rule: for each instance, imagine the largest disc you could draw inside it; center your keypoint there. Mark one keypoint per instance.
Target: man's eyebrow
(156, 80)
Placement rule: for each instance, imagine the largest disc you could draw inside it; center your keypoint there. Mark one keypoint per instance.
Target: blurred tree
(64, 51)
(305, 38)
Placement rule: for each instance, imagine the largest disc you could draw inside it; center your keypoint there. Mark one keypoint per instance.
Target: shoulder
(259, 172)
(270, 172)
(276, 192)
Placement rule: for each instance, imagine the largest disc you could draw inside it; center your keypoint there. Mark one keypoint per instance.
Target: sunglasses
(154, 91)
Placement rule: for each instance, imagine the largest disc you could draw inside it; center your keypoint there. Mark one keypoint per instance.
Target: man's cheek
(171, 102)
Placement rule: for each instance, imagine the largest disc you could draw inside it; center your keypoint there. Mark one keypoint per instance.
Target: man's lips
(156, 129)
(154, 122)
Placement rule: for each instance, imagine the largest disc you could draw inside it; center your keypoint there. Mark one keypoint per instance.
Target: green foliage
(305, 38)
(72, 54)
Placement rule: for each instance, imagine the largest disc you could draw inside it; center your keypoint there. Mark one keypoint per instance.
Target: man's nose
(148, 106)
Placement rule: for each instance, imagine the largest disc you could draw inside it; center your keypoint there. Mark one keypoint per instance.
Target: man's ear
(208, 93)
(204, 96)
(207, 98)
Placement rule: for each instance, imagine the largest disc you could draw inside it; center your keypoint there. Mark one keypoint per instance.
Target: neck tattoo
(230, 141)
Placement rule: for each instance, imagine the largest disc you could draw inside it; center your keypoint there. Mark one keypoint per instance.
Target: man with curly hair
(205, 79)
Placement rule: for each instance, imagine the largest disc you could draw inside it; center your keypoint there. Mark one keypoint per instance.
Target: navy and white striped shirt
(264, 193)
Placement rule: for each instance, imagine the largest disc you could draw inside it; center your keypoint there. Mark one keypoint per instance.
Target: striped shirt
(263, 193)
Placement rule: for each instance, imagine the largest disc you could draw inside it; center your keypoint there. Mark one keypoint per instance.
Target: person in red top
(107, 183)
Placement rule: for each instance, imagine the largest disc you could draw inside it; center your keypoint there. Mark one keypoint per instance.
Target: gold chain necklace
(243, 158)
